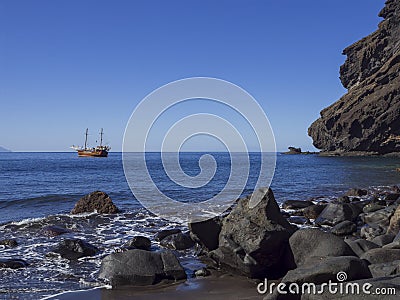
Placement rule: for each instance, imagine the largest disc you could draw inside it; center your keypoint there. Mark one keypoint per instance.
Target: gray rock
(12, 263)
(384, 239)
(381, 255)
(344, 228)
(296, 204)
(335, 213)
(10, 243)
(177, 241)
(313, 211)
(75, 248)
(380, 217)
(394, 225)
(140, 267)
(385, 269)
(319, 270)
(254, 240)
(371, 231)
(371, 207)
(206, 233)
(361, 246)
(164, 233)
(307, 243)
(298, 220)
(203, 272)
(356, 192)
(139, 242)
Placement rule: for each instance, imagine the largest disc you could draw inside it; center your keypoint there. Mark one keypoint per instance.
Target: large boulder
(140, 267)
(385, 269)
(206, 233)
(313, 211)
(97, 201)
(380, 217)
(309, 243)
(344, 228)
(75, 248)
(254, 240)
(334, 213)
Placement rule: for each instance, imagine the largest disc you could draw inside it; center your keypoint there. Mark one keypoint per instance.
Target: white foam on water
(76, 291)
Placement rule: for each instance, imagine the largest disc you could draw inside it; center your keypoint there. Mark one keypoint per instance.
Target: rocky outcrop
(367, 118)
(96, 201)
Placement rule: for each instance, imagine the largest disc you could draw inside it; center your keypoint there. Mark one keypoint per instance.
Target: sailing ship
(98, 151)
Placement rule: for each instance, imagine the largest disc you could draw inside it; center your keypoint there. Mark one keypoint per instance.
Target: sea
(40, 189)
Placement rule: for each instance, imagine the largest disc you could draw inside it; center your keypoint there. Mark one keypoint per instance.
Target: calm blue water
(40, 189)
(41, 184)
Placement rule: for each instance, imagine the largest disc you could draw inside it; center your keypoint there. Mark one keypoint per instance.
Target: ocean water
(40, 189)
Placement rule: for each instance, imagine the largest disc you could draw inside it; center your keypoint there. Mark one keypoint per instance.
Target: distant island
(4, 149)
(294, 150)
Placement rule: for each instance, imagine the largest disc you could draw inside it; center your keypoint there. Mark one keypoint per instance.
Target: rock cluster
(366, 119)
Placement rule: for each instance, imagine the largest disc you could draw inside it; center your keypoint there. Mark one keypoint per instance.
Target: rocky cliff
(367, 118)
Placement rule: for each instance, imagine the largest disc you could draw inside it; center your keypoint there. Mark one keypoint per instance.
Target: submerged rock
(11, 243)
(164, 233)
(139, 242)
(254, 241)
(97, 201)
(12, 263)
(75, 248)
(140, 267)
(53, 230)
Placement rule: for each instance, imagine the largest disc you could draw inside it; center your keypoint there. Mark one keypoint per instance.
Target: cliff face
(367, 118)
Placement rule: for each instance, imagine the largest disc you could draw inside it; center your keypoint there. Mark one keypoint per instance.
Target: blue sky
(68, 65)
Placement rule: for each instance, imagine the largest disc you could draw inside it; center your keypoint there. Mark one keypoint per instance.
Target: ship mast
(86, 134)
(101, 137)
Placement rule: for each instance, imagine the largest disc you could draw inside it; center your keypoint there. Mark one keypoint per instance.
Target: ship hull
(95, 153)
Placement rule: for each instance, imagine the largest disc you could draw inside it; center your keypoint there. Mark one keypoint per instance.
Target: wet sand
(216, 286)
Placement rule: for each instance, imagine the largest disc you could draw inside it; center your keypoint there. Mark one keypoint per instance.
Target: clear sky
(68, 65)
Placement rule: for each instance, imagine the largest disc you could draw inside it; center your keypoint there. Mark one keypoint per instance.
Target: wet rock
(311, 242)
(371, 231)
(384, 239)
(356, 192)
(335, 213)
(343, 199)
(385, 269)
(371, 207)
(313, 211)
(177, 241)
(12, 263)
(203, 272)
(380, 217)
(10, 243)
(298, 220)
(319, 270)
(206, 233)
(75, 248)
(360, 246)
(96, 201)
(381, 255)
(394, 224)
(344, 228)
(164, 233)
(140, 267)
(139, 242)
(53, 230)
(391, 197)
(296, 204)
(253, 240)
